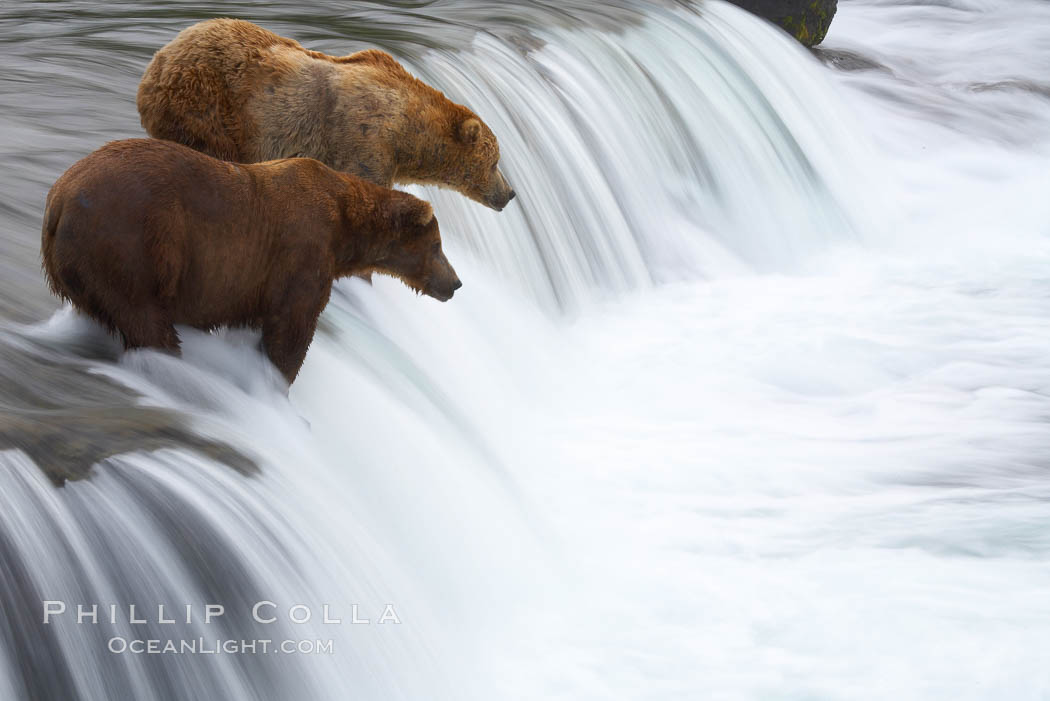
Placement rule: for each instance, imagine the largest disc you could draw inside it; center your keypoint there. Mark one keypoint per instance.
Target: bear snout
(442, 291)
(497, 192)
(500, 198)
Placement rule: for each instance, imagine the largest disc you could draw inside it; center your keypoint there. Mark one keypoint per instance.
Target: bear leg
(147, 327)
(286, 340)
(296, 302)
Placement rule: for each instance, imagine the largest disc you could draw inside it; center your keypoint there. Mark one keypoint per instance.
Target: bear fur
(238, 92)
(143, 234)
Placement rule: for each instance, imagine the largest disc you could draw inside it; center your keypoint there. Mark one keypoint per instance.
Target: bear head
(474, 156)
(412, 250)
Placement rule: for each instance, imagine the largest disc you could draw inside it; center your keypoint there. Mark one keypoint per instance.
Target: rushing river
(746, 395)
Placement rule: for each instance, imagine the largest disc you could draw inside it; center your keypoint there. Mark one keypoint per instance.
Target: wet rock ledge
(806, 20)
(67, 419)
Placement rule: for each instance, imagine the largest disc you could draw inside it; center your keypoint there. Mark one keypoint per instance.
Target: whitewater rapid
(745, 395)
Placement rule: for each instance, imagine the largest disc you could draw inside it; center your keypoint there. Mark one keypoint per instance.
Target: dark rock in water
(1029, 86)
(67, 419)
(847, 60)
(65, 444)
(806, 20)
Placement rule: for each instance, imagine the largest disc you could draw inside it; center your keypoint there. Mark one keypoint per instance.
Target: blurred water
(744, 396)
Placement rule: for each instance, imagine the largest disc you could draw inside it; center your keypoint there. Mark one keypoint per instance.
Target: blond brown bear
(241, 93)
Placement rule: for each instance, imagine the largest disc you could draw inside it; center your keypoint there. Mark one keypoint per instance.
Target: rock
(1029, 86)
(66, 444)
(847, 60)
(806, 20)
(68, 418)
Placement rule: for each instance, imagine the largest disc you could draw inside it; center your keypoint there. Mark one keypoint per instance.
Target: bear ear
(410, 212)
(424, 213)
(470, 130)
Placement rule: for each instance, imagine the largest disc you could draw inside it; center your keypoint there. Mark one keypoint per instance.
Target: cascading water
(743, 396)
(636, 165)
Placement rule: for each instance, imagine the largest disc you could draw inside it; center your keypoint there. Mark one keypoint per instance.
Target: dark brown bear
(144, 234)
(236, 91)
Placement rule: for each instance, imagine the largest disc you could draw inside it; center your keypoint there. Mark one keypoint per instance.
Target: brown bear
(239, 92)
(143, 234)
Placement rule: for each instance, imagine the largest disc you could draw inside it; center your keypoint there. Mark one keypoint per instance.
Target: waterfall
(678, 147)
(737, 397)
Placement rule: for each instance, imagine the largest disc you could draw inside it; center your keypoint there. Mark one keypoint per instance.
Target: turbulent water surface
(745, 395)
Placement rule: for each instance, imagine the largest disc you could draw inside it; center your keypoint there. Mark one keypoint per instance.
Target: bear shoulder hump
(374, 57)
